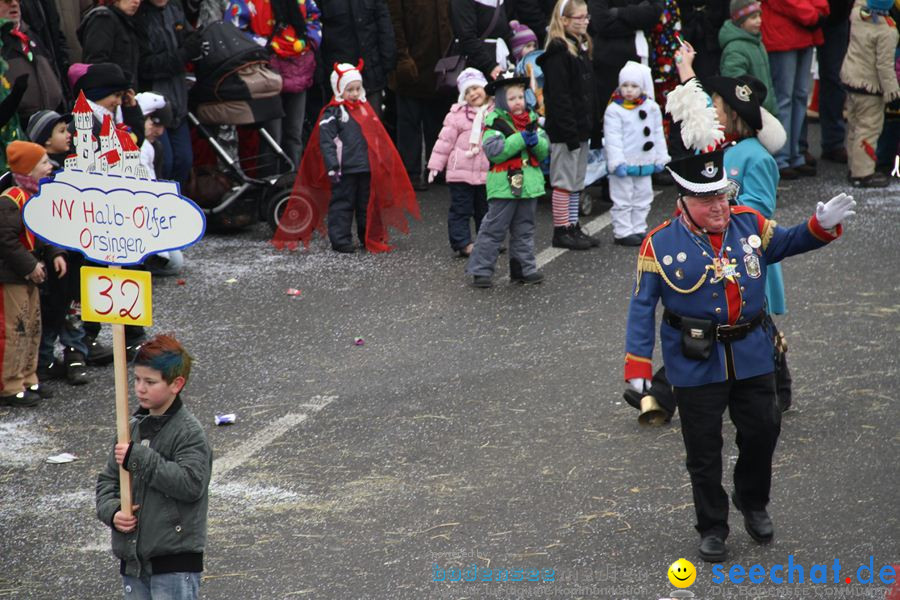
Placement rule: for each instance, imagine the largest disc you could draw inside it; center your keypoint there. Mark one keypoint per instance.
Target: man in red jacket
(790, 30)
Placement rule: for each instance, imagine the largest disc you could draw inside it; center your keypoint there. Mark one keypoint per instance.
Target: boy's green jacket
(501, 149)
(744, 54)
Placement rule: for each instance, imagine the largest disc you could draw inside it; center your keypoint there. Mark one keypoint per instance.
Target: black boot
(593, 240)
(55, 370)
(98, 354)
(76, 367)
(516, 275)
(564, 237)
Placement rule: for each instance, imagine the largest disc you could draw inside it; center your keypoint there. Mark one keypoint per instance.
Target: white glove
(639, 384)
(431, 175)
(831, 213)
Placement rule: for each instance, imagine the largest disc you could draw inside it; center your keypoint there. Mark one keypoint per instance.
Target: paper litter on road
(228, 419)
(358, 341)
(59, 459)
(293, 292)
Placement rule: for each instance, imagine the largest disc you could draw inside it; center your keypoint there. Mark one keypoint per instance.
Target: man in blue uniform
(708, 267)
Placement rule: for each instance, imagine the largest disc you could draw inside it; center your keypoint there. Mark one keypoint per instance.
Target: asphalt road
(479, 427)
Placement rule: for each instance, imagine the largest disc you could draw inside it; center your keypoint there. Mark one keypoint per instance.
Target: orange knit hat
(23, 156)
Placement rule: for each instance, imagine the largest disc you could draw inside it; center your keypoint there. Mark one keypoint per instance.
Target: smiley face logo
(682, 573)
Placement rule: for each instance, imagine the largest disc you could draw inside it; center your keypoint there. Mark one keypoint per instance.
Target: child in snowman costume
(635, 149)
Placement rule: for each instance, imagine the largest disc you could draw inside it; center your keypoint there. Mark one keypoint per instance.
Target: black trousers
(752, 408)
(418, 120)
(348, 197)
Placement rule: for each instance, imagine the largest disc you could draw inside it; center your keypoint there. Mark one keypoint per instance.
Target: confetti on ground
(180, 282)
(59, 459)
(358, 341)
(293, 292)
(232, 280)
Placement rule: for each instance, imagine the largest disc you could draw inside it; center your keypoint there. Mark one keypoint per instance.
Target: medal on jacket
(723, 268)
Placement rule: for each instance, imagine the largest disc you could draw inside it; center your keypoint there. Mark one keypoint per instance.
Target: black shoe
(712, 549)
(23, 398)
(482, 281)
(462, 253)
(536, 277)
(806, 170)
(788, 174)
(345, 249)
(875, 180)
(41, 390)
(76, 367)
(593, 240)
(55, 370)
(633, 240)
(131, 348)
(98, 354)
(565, 237)
(757, 523)
(838, 155)
(420, 185)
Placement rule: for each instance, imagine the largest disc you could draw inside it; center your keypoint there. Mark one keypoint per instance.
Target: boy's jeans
(167, 586)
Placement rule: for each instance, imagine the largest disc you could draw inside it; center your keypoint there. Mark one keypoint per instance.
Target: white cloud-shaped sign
(112, 219)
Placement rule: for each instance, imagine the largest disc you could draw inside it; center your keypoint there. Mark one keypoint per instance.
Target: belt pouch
(516, 181)
(697, 336)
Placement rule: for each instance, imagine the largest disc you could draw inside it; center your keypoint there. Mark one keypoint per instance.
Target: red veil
(391, 194)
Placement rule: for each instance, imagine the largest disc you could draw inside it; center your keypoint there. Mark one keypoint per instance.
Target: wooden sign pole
(123, 433)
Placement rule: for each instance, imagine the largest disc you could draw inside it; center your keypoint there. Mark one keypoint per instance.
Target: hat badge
(710, 170)
(743, 92)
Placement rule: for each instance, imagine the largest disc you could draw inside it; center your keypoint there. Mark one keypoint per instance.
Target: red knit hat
(22, 157)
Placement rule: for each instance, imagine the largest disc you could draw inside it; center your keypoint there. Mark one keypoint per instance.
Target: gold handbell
(781, 343)
(652, 414)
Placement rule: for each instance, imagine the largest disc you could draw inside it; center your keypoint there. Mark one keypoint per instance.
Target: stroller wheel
(586, 203)
(294, 215)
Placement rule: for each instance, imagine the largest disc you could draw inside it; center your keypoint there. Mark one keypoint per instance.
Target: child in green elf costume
(515, 146)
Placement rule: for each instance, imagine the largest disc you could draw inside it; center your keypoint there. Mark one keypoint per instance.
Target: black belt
(724, 333)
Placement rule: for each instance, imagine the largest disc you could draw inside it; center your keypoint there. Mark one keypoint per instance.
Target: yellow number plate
(116, 296)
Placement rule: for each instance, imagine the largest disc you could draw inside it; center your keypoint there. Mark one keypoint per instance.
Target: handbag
(450, 65)
(297, 72)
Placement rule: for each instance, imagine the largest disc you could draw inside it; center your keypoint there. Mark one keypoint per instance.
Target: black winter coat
(533, 13)
(43, 19)
(163, 57)
(109, 35)
(570, 102)
(613, 26)
(470, 20)
(354, 29)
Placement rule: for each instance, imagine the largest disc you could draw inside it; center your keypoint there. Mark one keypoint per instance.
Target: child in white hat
(458, 149)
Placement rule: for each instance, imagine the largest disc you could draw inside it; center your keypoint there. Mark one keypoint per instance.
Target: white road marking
(231, 461)
(266, 436)
(594, 227)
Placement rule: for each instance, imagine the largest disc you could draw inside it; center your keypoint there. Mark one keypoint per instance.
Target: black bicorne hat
(745, 94)
(492, 87)
(699, 174)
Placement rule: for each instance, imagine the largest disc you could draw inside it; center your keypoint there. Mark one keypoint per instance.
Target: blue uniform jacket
(755, 172)
(672, 267)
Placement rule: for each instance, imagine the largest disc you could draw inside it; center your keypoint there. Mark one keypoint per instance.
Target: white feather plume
(690, 105)
(772, 135)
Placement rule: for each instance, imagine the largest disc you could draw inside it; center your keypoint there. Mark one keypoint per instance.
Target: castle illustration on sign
(117, 153)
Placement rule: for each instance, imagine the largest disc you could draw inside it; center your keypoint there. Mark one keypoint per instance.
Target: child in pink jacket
(458, 149)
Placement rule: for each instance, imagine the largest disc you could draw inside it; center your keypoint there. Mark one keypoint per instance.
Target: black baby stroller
(235, 86)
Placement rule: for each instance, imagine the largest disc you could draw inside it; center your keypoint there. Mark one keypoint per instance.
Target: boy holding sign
(21, 271)
(161, 546)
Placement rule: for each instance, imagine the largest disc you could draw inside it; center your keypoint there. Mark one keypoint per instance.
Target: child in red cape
(350, 166)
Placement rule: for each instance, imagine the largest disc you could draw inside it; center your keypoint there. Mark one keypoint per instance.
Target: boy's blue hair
(165, 354)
